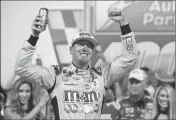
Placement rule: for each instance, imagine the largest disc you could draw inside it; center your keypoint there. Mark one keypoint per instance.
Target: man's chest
(79, 93)
(83, 88)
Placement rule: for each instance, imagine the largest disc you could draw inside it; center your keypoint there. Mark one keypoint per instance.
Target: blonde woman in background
(164, 106)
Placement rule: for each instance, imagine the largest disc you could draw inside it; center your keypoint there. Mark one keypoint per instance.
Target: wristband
(125, 29)
(33, 40)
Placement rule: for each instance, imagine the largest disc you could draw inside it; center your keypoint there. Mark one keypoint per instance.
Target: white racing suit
(77, 94)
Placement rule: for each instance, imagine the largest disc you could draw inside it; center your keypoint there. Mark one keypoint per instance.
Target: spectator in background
(3, 98)
(136, 105)
(164, 106)
(21, 106)
(6, 93)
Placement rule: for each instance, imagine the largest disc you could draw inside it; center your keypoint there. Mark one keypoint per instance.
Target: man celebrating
(77, 90)
(137, 105)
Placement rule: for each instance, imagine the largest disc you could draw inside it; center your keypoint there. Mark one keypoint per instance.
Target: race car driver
(77, 90)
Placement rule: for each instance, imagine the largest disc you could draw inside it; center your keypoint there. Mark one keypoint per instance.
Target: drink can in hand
(44, 13)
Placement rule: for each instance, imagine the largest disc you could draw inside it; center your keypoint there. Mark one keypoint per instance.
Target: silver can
(44, 13)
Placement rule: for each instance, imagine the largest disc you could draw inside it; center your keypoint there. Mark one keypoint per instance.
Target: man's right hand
(38, 26)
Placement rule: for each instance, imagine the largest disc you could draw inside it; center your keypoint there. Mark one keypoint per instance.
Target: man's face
(135, 86)
(82, 51)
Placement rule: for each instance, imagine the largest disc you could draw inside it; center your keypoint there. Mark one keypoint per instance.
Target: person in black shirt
(137, 105)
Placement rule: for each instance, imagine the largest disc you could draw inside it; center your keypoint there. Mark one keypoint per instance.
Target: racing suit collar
(132, 98)
(138, 103)
(79, 71)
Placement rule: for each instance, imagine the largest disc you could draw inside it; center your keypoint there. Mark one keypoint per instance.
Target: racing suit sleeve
(39, 75)
(125, 62)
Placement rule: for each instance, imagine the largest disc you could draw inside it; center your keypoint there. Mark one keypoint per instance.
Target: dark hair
(16, 103)
(3, 96)
(30, 102)
(2, 91)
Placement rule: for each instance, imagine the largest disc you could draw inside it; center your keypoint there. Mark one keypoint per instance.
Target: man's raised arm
(124, 63)
(42, 76)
